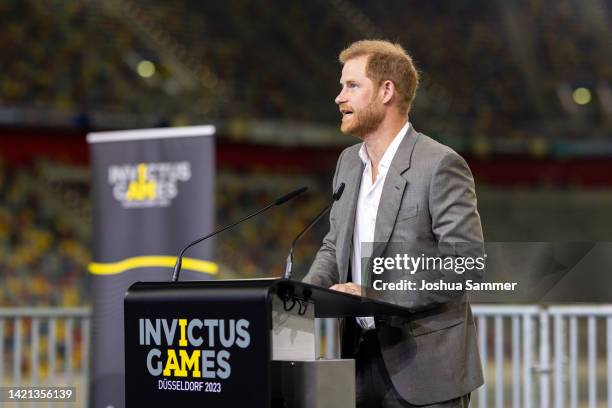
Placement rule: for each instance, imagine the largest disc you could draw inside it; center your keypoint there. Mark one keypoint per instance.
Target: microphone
(279, 201)
(289, 261)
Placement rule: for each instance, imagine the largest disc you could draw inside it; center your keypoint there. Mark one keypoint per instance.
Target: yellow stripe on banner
(113, 268)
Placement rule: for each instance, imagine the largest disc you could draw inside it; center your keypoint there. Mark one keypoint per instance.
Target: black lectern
(233, 343)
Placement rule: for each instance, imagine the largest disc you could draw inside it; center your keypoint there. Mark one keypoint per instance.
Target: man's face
(358, 100)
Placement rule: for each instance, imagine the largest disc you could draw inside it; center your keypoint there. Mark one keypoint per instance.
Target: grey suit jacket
(428, 198)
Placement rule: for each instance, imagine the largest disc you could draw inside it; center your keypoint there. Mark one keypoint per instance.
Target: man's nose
(340, 98)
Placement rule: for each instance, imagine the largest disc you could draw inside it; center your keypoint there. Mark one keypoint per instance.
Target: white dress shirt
(367, 209)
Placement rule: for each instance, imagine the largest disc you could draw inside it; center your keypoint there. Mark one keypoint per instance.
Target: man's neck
(377, 142)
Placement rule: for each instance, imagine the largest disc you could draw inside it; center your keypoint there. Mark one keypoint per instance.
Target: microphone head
(338, 192)
(290, 196)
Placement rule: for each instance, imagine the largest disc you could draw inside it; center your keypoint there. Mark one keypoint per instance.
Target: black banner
(152, 194)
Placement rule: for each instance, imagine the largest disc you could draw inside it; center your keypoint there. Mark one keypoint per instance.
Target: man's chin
(350, 130)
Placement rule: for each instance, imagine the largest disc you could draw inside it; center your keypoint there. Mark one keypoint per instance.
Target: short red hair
(387, 61)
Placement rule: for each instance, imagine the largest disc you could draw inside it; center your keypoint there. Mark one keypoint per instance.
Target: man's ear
(388, 91)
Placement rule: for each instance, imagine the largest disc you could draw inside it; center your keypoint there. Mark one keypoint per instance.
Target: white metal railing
(518, 361)
(569, 371)
(45, 347)
(522, 362)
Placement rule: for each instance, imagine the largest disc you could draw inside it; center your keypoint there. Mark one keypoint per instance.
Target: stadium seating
(45, 231)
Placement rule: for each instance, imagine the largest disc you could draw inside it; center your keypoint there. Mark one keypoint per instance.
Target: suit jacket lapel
(347, 225)
(391, 198)
(390, 203)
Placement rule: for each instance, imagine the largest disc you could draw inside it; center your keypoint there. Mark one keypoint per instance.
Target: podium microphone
(289, 261)
(279, 201)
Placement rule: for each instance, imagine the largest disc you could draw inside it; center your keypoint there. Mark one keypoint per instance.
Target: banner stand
(152, 192)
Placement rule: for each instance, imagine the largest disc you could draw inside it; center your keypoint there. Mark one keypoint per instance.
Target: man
(401, 187)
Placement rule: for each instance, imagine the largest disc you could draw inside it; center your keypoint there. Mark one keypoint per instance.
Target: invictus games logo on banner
(191, 349)
(145, 185)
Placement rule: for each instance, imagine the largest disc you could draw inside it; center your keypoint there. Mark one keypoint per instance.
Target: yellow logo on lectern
(147, 184)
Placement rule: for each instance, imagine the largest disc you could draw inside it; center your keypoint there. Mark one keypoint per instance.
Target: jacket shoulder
(433, 149)
(430, 154)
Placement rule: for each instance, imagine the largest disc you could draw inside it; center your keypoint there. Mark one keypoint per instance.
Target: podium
(236, 343)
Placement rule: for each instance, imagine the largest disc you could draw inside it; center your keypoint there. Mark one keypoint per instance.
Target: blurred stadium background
(521, 88)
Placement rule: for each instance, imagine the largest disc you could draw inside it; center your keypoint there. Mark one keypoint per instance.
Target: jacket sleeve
(452, 202)
(457, 231)
(455, 224)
